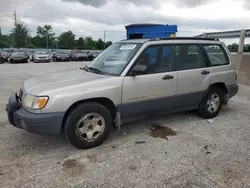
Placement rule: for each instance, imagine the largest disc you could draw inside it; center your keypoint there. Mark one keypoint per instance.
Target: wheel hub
(90, 127)
(213, 103)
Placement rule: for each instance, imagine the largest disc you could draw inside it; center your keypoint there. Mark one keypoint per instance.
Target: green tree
(108, 43)
(99, 44)
(90, 43)
(66, 40)
(20, 32)
(4, 41)
(233, 47)
(80, 44)
(43, 32)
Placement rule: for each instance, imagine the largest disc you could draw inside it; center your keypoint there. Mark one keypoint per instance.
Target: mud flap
(225, 100)
(117, 121)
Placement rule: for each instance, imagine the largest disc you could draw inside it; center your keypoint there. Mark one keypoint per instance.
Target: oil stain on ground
(159, 131)
(73, 167)
(70, 163)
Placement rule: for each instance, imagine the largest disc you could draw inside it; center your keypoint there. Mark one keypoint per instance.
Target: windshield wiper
(93, 69)
(84, 68)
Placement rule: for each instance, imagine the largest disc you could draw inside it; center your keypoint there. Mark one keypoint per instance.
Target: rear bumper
(48, 124)
(232, 90)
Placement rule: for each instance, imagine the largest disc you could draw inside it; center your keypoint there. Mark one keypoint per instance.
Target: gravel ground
(199, 153)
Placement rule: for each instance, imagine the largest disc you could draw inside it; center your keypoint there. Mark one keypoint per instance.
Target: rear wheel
(88, 125)
(212, 103)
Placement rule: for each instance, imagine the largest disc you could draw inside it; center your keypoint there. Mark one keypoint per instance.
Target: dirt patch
(159, 131)
(132, 167)
(92, 158)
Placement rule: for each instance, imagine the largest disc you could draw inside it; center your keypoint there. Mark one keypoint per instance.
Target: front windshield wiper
(84, 68)
(93, 69)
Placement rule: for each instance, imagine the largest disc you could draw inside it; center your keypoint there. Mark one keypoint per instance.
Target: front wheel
(88, 125)
(212, 103)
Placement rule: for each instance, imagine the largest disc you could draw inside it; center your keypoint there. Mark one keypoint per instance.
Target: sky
(92, 17)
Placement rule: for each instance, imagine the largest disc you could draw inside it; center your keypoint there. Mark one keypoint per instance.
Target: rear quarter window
(216, 55)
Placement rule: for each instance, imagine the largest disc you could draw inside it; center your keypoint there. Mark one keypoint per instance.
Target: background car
(41, 56)
(1, 58)
(80, 56)
(93, 54)
(60, 56)
(4, 56)
(19, 57)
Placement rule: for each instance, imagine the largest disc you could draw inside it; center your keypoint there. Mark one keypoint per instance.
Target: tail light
(236, 76)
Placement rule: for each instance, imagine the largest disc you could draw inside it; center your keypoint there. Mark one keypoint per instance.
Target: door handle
(205, 72)
(167, 77)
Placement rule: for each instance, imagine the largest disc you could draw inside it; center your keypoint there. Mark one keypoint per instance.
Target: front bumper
(42, 60)
(48, 124)
(18, 60)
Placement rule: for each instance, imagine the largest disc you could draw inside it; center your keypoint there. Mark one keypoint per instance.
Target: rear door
(192, 72)
(153, 91)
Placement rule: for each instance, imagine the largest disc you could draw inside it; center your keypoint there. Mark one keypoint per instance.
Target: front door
(153, 91)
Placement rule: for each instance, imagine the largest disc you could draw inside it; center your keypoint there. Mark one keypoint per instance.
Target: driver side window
(157, 59)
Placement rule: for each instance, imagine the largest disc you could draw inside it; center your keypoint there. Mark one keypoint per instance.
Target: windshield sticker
(128, 47)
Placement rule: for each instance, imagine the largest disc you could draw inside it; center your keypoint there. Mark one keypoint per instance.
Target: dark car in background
(60, 56)
(93, 54)
(41, 56)
(19, 57)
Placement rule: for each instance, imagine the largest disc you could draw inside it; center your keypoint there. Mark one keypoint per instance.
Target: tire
(80, 140)
(207, 109)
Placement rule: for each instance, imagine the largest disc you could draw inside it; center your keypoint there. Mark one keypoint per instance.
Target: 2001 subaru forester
(129, 79)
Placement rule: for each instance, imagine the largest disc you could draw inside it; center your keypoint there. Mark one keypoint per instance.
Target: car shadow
(140, 126)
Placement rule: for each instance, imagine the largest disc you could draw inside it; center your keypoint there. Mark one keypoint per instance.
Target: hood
(62, 55)
(81, 54)
(41, 55)
(59, 80)
(17, 56)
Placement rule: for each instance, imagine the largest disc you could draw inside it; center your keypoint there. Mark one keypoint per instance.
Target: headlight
(35, 102)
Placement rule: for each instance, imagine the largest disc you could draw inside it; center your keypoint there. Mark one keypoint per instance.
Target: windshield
(115, 59)
(61, 53)
(18, 53)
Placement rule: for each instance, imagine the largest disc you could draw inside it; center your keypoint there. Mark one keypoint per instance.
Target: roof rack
(184, 38)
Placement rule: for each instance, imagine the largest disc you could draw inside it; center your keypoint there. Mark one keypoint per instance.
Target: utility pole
(15, 18)
(104, 45)
(47, 41)
(14, 34)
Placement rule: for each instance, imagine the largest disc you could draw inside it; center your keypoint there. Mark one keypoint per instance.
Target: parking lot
(187, 152)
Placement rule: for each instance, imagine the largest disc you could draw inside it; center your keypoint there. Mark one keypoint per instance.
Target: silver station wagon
(131, 78)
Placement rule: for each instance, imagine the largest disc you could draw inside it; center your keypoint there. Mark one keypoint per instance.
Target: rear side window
(188, 56)
(217, 55)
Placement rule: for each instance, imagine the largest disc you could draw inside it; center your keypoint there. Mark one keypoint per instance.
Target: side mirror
(139, 69)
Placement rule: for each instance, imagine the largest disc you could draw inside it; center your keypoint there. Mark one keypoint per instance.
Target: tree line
(45, 38)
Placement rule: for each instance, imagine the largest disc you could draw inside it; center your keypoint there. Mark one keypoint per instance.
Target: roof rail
(184, 38)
